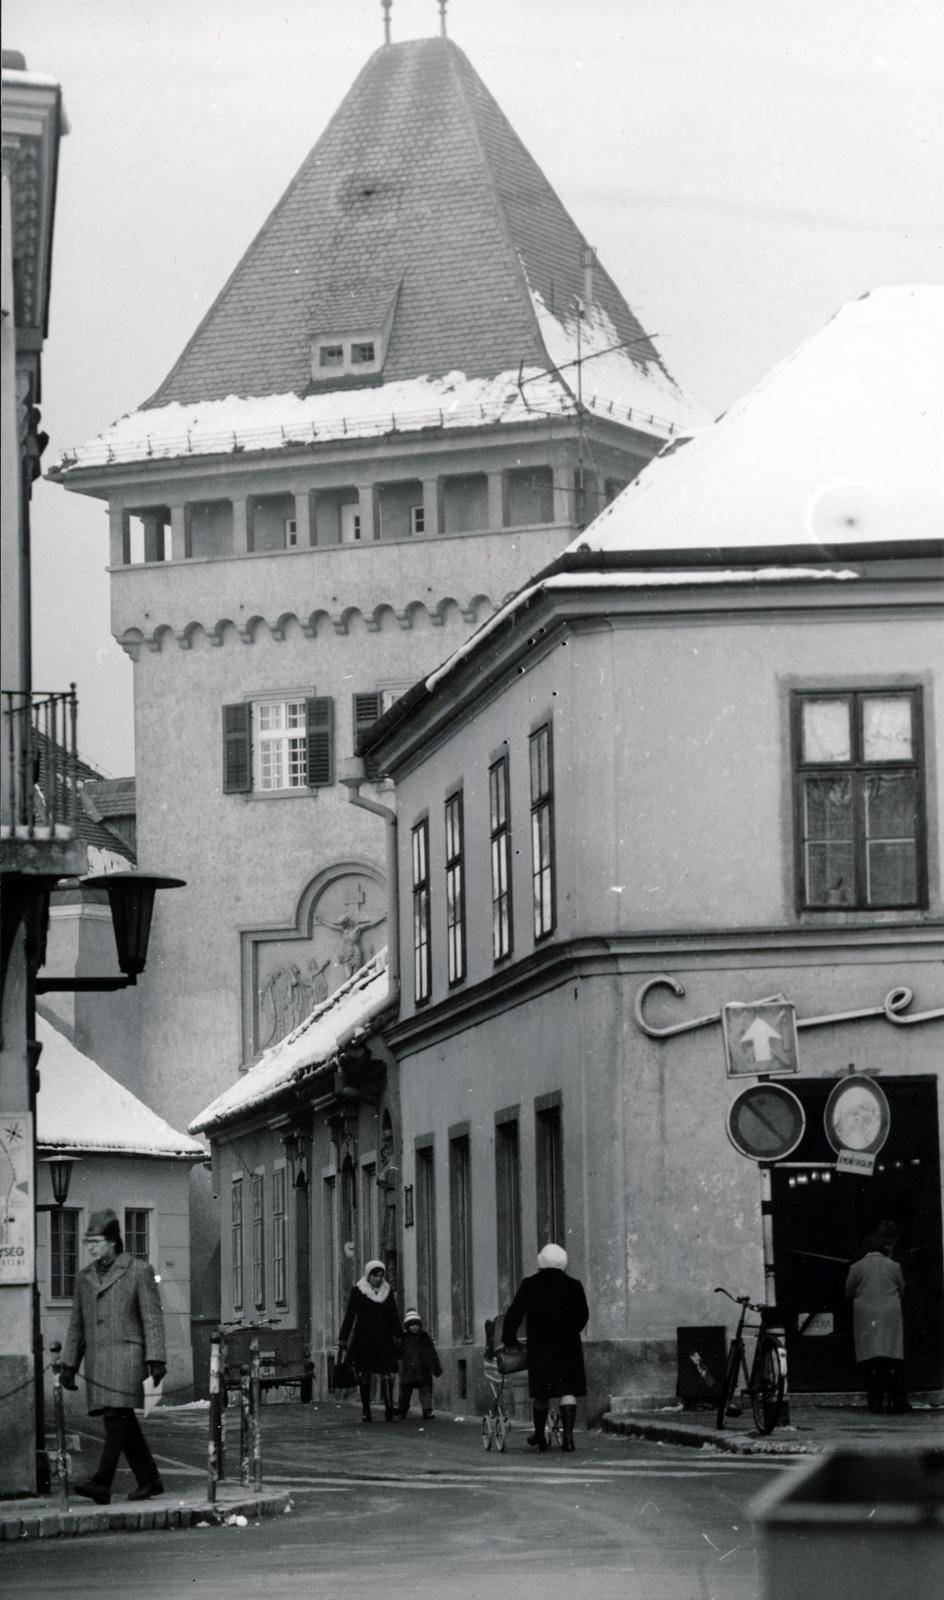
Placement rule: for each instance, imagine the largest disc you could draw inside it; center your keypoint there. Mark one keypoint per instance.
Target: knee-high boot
(539, 1436)
(364, 1387)
(386, 1389)
(568, 1418)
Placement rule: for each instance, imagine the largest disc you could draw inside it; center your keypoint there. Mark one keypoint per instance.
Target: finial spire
(385, 6)
(442, 16)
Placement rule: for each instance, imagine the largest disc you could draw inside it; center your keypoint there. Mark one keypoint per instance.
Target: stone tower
(414, 389)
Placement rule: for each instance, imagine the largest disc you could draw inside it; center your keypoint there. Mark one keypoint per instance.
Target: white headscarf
(553, 1256)
(366, 1287)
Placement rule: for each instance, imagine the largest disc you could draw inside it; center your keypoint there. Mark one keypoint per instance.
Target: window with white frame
(417, 519)
(455, 889)
(500, 843)
(278, 744)
(542, 831)
(279, 1237)
(422, 964)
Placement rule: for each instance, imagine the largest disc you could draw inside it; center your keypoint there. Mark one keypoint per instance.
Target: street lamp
(131, 901)
(60, 1173)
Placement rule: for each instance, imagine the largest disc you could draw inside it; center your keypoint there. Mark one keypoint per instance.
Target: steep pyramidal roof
(420, 191)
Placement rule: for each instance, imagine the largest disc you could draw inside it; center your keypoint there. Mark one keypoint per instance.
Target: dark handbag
(514, 1358)
(344, 1375)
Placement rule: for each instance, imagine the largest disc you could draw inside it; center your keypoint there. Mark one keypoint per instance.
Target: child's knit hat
(412, 1316)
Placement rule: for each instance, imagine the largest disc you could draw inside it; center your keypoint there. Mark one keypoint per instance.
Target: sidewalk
(44, 1517)
(815, 1426)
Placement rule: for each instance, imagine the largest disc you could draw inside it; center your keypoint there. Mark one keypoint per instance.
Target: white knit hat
(411, 1316)
(553, 1256)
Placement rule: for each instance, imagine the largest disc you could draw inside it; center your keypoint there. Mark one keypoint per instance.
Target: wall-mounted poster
(16, 1197)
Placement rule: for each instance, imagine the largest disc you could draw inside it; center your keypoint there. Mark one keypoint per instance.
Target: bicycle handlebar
(739, 1299)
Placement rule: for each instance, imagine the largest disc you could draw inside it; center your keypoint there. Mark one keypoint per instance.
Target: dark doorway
(820, 1218)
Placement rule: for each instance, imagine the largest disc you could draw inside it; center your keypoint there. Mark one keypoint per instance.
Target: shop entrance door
(820, 1218)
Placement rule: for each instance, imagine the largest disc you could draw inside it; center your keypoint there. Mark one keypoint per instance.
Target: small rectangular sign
(815, 1324)
(856, 1161)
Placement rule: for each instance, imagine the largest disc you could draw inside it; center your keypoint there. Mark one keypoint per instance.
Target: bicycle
(766, 1380)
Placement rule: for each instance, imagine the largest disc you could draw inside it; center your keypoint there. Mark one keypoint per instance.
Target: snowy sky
(742, 166)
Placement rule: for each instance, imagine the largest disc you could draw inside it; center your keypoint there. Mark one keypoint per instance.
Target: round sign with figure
(766, 1122)
(857, 1116)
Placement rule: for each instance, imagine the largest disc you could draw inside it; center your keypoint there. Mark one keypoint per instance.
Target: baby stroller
(498, 1365)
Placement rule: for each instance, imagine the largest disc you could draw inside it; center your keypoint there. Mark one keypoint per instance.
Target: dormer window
(347, 357)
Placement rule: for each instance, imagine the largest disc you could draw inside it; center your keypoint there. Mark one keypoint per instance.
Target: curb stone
(56, 1523)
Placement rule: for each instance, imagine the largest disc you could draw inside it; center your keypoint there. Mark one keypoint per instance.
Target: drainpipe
(351, 776)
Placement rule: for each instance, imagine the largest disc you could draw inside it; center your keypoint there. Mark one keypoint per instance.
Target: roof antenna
(442, 16)
(385, 6)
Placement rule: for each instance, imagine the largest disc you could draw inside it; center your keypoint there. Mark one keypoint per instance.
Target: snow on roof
(334, 1022)
(645, 578)
(275, 421)
(840, 443)
(618, 379)
(81, 1107)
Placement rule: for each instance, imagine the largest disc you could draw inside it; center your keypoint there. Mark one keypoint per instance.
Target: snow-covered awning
(81, 1108)
(335, 1022)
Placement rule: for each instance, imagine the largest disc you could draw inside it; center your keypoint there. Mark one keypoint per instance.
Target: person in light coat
(875, 1285)
(117, 1329)
(556, 1308)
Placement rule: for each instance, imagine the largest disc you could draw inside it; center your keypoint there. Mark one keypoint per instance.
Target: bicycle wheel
(553, 1430)
(728, 1384)
(502, 1430)
(488, 1432)
(767, 1386)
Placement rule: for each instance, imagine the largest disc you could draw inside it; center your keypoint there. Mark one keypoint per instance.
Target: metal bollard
(255, 1412)
(59, 1415)
(213, 1452)
(245, 1413)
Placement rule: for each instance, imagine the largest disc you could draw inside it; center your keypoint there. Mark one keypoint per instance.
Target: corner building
(415, 388)
(695, 762)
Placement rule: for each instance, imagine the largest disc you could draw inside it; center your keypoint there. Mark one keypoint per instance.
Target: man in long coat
(876, 1285)
(556, 1308)
(117, 1327)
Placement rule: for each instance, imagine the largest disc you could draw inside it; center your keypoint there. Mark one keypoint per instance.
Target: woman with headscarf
(875, 1285)
(372, 1336)
(556, 1310)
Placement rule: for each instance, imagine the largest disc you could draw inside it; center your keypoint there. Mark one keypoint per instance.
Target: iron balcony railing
(39, 764)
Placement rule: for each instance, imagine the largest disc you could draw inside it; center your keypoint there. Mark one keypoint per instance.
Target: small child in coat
(419, 1365)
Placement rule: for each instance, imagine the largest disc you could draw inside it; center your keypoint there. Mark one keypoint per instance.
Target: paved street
(423, 1511)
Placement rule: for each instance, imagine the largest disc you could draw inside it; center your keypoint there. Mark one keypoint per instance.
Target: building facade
(684, 772)
(416, 386)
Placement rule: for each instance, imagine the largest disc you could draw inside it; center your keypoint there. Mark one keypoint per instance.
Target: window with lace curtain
(859, 799)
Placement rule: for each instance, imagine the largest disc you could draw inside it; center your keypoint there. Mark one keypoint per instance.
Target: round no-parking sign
(766, 1122)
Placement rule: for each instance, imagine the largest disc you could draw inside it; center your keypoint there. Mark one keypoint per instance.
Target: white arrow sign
(758, 1036)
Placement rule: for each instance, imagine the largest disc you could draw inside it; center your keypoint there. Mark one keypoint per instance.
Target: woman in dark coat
(557, 1313)
(371, 1335)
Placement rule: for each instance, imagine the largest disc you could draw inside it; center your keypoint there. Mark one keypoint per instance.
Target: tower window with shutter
(278, 745)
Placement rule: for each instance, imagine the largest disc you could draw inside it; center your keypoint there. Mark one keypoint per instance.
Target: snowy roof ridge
(333, 1022)
(81, 1107)
(838, 444)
